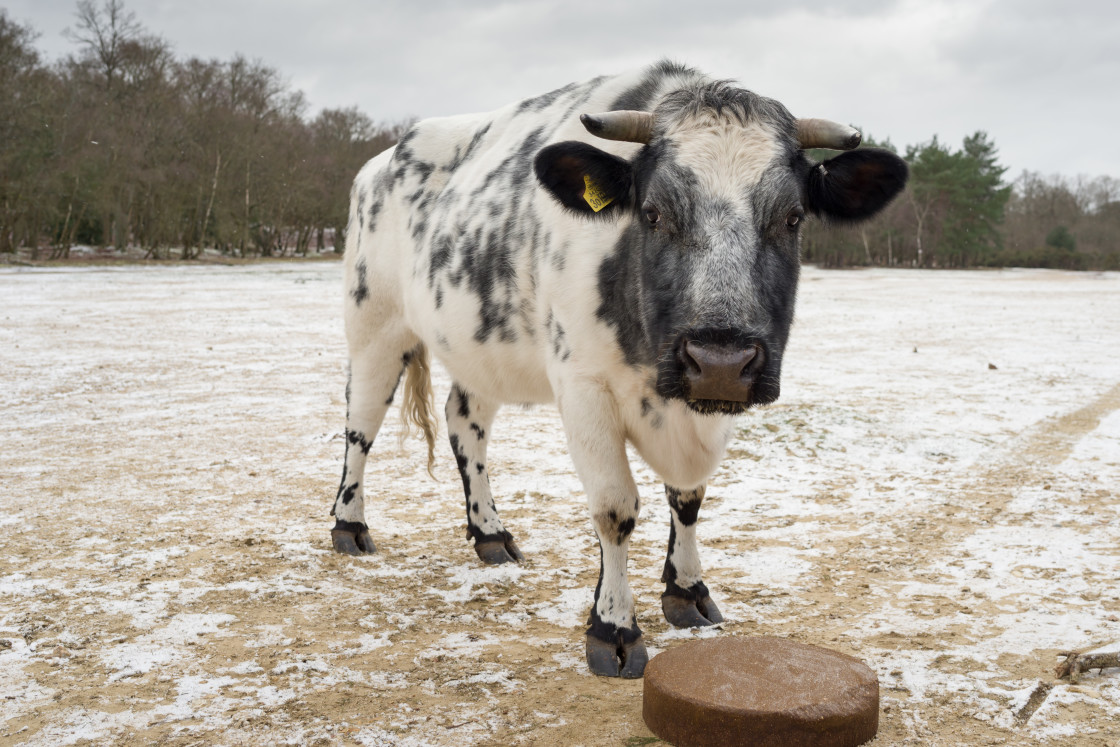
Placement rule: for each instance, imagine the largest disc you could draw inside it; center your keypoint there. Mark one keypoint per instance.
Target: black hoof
(608, 659)
(350, 542)
(498, 551)
(635, 659)
(686, 613)
(709, 610)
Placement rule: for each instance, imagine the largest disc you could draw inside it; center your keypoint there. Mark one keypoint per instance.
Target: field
(937, 492)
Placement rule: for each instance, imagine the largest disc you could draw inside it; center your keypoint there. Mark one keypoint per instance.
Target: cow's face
(703, 283)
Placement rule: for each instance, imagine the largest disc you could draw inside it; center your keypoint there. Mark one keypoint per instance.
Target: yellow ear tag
(595, 196)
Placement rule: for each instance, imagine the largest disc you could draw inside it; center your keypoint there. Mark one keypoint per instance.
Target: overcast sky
(1042, 78)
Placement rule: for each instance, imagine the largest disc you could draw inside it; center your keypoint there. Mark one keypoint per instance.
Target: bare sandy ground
(936, 493)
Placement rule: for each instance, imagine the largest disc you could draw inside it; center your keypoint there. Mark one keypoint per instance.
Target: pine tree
(958, 199)
(980, 201)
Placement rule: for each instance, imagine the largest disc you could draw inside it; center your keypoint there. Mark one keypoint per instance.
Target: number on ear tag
(595, 196)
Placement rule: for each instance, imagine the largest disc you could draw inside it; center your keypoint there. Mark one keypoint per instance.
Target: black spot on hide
(461, 462)
(374, 210)
(543, 101)
(396, 385)
(439, 258)
(618, 291)
(349, 493)
(461, 156)
(624, 529)
(348, 378)
(686, 505)
(361, 288)
(464, 402)
(359, 439)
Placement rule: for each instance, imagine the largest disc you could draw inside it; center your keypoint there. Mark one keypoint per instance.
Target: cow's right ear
(584, 179)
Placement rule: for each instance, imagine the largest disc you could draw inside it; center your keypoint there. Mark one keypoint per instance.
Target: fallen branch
(1077, 662)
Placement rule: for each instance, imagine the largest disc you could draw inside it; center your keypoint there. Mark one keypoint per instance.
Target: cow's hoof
(687, 613)
(709, 610)
(608, 659)
(350, 542)
(498, 551)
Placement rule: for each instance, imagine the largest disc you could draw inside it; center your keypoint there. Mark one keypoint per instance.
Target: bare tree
(103, 31)
(25, 90)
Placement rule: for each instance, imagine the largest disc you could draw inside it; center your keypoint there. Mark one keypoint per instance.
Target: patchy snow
(935, 493)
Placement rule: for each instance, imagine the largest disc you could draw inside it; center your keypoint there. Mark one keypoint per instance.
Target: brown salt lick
(759, 691)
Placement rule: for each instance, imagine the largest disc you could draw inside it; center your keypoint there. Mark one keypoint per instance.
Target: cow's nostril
(691, 354)
(748, 357)
(754, 360)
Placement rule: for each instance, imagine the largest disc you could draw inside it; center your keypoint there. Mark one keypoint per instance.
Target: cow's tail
(418, 404)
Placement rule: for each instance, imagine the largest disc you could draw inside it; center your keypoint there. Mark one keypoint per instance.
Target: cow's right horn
(626, 125)
(823, 133)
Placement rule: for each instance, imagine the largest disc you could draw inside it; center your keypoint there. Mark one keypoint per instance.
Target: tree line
(958, 211)
(123, 144)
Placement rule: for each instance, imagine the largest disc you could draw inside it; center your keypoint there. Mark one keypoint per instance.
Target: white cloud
(1035, 74)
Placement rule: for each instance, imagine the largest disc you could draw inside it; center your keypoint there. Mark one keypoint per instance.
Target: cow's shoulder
(442, 143)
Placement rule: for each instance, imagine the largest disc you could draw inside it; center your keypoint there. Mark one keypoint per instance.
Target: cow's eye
(794, 217)
(652, 215)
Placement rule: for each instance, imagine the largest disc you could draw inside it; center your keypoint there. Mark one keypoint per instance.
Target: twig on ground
(1076, 662)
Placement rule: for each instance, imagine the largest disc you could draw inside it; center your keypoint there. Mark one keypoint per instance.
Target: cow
(627, 247)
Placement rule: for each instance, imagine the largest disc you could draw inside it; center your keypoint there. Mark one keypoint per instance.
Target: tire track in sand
(1027, 460)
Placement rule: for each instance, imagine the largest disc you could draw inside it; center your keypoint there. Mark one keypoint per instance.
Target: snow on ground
(936, 493)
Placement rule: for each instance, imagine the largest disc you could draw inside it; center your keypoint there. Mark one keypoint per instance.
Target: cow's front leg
(614, 643)
(686, 602)
(468, 426)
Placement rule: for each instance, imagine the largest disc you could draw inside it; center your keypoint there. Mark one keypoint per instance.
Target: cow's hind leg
(686, 602)
(468, 427)
(375, 372)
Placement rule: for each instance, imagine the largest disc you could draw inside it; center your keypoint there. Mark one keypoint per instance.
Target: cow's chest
(681, 446)
(684, 448)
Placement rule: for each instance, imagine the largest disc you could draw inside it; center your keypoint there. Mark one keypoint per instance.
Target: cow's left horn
(822, 133)
(625, 125)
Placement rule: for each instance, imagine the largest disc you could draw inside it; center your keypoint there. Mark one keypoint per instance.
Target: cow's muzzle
(719, 371)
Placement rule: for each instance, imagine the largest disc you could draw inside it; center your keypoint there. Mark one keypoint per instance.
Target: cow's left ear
(855, 185)
(585, 179)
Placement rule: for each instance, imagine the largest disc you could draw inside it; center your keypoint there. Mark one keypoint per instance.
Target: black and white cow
(637, 266)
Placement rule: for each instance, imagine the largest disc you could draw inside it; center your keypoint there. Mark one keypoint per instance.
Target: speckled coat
(540, 263)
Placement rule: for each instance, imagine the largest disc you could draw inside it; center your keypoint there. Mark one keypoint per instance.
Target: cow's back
(479, 261)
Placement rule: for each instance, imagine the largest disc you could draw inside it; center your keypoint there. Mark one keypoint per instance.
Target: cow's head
(704, 279)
